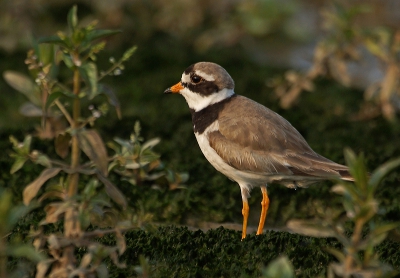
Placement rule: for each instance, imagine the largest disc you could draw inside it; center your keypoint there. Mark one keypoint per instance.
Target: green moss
(179, 252)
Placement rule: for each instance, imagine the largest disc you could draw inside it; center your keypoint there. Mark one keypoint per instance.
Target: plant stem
(3, 258)
(71, 222)
(64, 111)
(389, 84)
(75, 151)
(110, 70)
(352, 250)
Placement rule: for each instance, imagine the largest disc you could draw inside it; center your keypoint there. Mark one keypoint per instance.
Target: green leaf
(357, 168)
(10, 213)
(32, 189)
(24, 85)
(14, 142)
(89, 74)
(383, 171)
(54, 39)
(78, 36)
(52, 98)
(376, 49)
(68, 60)
(384, 228)
(5, 206)
(46, 53)
(72, 18)
(150, 143)
(22, 148)
(124, 143)
(18, 164)
(112, 191)
(371, 241)
(128, 53)
(112, 165)
(279, 268)
(26, 145)
(90, 188)
(43, 160)
(93, 146)
(148, 156)
(339, 255)
(98, 34)
(26, 251)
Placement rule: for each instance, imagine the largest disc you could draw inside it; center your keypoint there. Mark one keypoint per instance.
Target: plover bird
(246, 141)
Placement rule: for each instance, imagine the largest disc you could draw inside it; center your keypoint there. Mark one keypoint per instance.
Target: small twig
(114, 66)
(87, 121)
(65, 112)
(59, 163)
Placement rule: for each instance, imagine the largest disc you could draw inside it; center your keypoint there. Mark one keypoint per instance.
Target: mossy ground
(179, 252)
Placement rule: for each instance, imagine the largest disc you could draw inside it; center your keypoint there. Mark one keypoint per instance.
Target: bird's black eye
(195, 79)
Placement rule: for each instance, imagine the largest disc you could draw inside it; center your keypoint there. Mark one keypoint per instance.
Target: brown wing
(259, 140)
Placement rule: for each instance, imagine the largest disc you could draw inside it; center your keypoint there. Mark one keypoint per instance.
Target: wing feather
(260, 141)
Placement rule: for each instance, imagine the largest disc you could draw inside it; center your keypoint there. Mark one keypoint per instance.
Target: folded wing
(267, 144)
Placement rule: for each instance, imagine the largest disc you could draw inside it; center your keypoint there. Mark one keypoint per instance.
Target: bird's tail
(345, 175)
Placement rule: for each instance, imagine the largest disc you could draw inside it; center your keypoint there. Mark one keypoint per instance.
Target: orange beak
(174, 89)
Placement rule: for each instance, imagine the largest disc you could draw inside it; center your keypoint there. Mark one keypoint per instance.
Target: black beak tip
(168, 91)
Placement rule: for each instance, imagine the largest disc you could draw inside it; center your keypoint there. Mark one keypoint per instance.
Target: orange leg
(245, 212)
(264, 209)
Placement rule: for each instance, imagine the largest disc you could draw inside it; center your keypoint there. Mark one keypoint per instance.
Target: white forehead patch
(206, 76)
(185, 78)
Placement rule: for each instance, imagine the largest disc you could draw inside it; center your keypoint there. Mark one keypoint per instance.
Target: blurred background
(171, 35)
(330, 67)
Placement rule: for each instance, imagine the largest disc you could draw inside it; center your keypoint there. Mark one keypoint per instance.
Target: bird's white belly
(243, 178)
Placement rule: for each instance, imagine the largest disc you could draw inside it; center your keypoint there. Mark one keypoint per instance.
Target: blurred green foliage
(203, 24)
(360, 208)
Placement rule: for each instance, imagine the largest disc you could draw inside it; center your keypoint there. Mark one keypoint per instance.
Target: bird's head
(203, 84)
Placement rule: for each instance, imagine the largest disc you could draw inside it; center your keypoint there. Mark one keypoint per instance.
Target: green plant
(137, 163)
(78, 191)
(360, 208)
